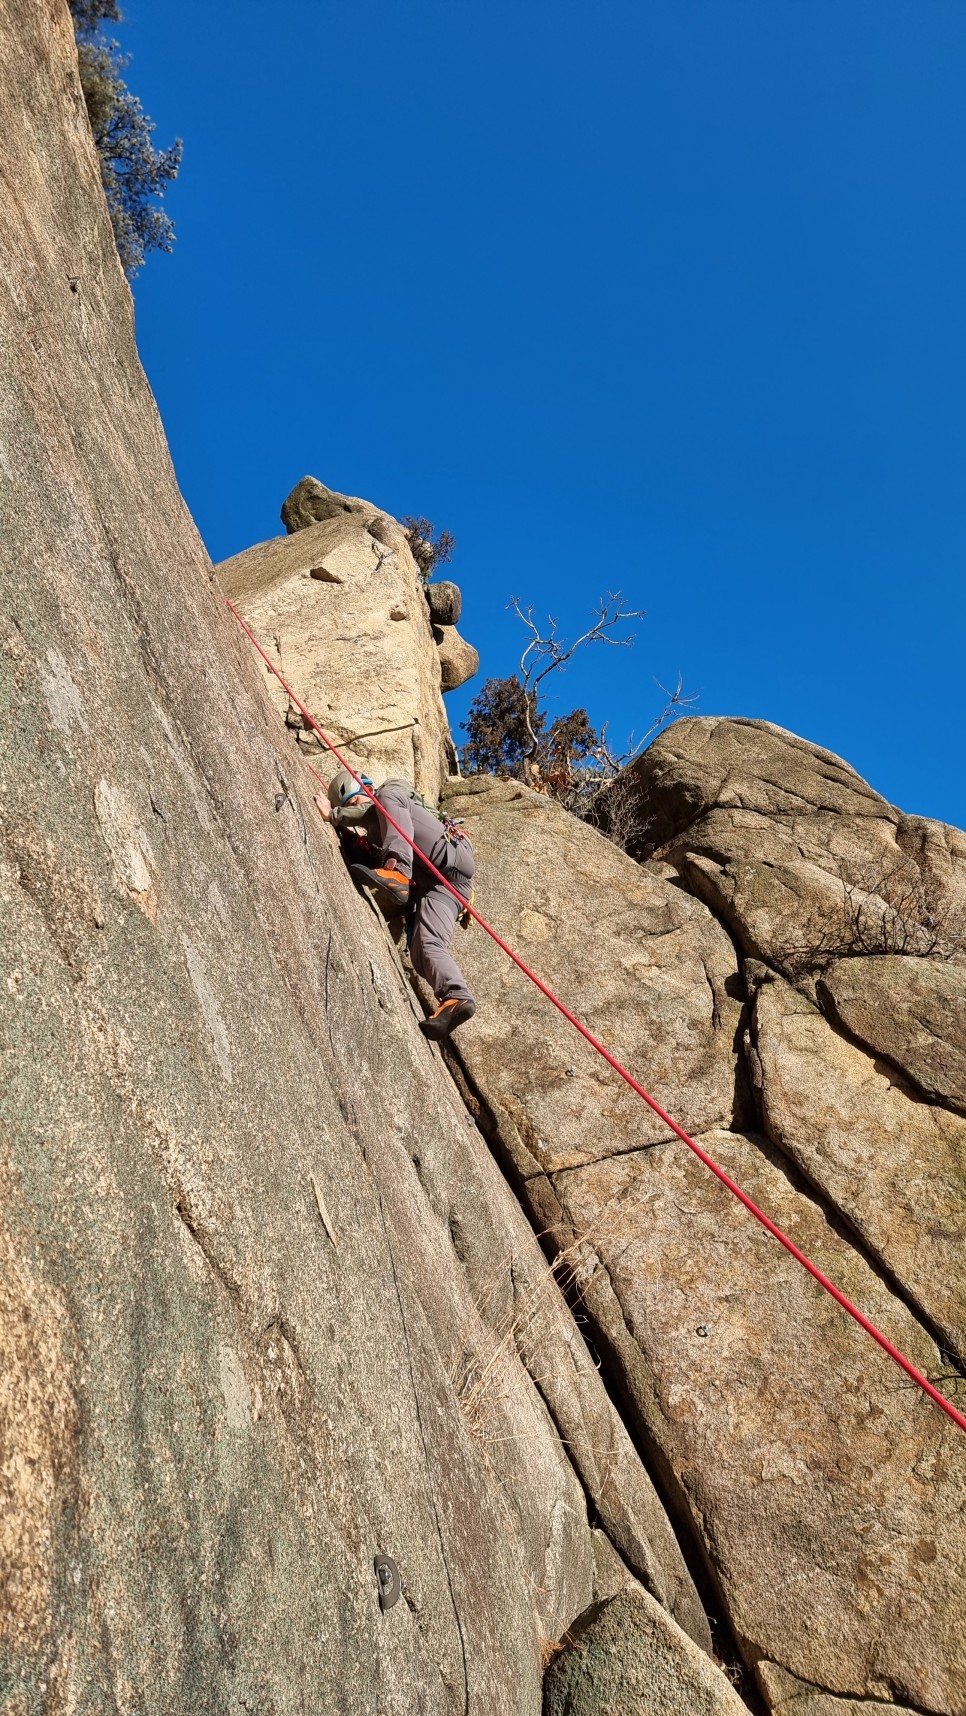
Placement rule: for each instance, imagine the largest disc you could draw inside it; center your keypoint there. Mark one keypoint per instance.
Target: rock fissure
(209, 1251)
(727, 1647)
(853, 1234)
(892, 1698)
(672, 1494)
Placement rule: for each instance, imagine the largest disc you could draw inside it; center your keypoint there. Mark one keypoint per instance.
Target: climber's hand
(323, 806)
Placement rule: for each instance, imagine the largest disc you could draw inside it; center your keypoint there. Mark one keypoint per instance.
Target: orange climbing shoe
(447, 1016)
(389, 880)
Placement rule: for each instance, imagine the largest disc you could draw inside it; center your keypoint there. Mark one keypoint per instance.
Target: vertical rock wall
(269, 1308)
(269, 1311)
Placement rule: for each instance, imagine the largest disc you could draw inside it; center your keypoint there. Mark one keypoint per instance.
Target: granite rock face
(802, 859)
(892, 1165)
(262, 1285)
(909, 1011)
(271, 1300)
(339, 606)
(814, 1487)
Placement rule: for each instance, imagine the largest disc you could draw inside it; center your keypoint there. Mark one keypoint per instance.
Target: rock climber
(432, 911)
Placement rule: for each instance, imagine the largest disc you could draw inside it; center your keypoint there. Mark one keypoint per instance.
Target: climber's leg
(436, 915)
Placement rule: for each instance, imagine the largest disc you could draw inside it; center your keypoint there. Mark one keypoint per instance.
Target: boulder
(458, 660)
(626, 1656)
(445, 603)
(310, 502)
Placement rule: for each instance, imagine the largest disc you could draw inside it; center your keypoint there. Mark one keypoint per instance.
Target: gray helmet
(349, 802)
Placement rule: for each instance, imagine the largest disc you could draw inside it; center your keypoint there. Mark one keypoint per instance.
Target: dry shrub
(886, 908)
(484, 1376)
(429, 548)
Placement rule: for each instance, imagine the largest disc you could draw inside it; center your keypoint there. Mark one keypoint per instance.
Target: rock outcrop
(458, 660)
(310, 502)
(273, 1305)
(343, 608)
(816, 1489)
(340, 606)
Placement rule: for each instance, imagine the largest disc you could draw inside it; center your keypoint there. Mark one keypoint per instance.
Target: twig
(323, 1212)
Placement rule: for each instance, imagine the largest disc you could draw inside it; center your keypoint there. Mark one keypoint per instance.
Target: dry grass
(550, 1649)
(485, 1376)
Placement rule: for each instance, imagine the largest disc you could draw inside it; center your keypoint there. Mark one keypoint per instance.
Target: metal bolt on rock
(388, 1581)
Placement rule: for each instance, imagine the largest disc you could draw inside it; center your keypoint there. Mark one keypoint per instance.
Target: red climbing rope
(719, 1173)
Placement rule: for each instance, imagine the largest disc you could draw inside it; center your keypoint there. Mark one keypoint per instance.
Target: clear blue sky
(664, 296)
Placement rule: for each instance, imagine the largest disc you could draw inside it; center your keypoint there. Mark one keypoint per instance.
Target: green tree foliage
(498, 740)
(134, 174)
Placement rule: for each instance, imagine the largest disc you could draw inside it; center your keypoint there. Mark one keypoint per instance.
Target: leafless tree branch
(545, 652)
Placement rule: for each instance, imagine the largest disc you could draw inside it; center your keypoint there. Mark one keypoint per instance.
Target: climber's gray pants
(436, 915)
(436, 910)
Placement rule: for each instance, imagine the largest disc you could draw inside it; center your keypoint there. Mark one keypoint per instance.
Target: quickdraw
(453, 828)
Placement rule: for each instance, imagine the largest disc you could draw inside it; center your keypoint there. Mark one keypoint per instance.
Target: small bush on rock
(885, 909)
(429, 548)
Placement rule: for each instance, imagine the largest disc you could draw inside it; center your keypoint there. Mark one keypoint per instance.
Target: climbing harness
(702, 1155)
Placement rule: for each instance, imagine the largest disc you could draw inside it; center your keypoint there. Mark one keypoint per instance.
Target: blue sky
(659, 296)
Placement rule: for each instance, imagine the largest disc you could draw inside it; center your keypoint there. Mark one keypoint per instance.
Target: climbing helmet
(344, 788)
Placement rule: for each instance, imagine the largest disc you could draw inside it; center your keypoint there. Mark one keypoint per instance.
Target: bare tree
(567, 758)
(575, 773)
(545, 653)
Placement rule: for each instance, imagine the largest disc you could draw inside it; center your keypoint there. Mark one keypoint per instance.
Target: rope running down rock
(702, 1155)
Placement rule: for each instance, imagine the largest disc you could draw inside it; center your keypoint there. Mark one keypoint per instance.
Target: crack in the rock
(715, 1008)
(192, 1226)
(671, 1493)
(838, 1219)
(897, 1698)
(848, 1230)
(607, 1156)
(655, 1463)
(911, 1088)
